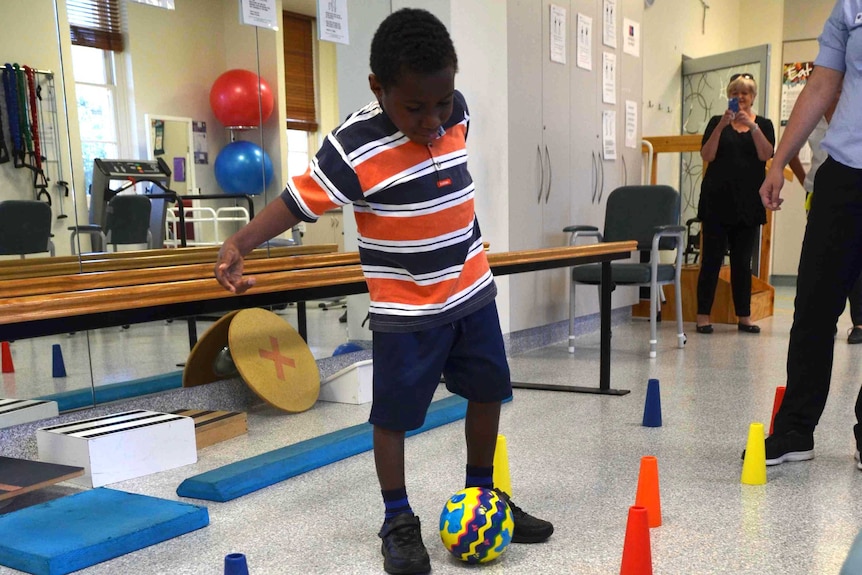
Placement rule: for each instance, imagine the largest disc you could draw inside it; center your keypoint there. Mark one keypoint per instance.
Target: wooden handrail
(46, 267)
(114, 278)
(60, 304)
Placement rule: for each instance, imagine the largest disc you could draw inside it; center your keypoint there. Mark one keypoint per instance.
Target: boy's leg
(481, 428)
(407, 369)
(389, 458)
(478, 370)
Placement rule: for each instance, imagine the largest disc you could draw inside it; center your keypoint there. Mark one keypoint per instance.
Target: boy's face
(418, 104)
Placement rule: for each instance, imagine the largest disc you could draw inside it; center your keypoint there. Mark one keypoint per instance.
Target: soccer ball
(476, 525)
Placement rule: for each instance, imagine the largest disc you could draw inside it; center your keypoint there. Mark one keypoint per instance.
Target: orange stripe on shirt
(396, 160)
(315, 197)
(380, 226)
(407, 292)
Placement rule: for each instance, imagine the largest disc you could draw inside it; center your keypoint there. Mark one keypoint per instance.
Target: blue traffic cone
(652, 407)
(235, 564)
(59, 367)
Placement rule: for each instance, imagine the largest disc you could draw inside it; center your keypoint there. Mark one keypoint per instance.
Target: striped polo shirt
(419, 240)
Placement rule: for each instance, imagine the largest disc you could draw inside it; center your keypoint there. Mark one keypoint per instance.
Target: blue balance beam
(243, 477)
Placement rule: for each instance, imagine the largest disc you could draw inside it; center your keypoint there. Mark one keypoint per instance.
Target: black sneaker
(854, 335)
(402, 547)
(790, 446)
(528, 529)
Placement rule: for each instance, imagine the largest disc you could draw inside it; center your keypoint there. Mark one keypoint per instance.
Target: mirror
(162, 79)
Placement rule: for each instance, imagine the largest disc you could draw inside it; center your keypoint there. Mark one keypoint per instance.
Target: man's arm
(813, 101)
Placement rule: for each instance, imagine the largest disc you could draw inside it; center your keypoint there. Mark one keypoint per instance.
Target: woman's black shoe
(749, 328)
(704, 328)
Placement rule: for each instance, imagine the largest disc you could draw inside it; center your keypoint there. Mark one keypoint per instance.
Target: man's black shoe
(528, 529)
(790, 446)
(402, 547)
(855, 335)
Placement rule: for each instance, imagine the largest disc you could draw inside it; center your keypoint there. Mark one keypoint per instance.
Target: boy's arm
(275, 219)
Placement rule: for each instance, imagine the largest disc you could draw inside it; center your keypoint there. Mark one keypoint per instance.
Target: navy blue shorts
(407, 367)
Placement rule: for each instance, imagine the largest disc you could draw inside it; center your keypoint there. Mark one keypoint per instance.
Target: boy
(402, 162)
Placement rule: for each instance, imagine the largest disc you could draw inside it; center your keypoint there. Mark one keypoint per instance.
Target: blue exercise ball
(243, 168)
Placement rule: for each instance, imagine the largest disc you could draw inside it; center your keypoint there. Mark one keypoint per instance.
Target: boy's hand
(770, 191)
(228, 270)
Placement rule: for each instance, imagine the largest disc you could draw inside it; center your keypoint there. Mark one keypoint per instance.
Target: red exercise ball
(234, 98)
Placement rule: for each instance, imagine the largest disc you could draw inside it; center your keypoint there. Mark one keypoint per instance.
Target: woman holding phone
(735, 146)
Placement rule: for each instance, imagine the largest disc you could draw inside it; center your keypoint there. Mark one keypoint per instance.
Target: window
(299, 72)
(297, 152)
(97, 111)
(96, 33)
(95, 24)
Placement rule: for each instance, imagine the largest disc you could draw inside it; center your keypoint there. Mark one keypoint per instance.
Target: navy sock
(396, 502)
(480, 477)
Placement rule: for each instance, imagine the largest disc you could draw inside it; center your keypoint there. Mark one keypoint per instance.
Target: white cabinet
(539, 149)
(328, 229)
(558, 175)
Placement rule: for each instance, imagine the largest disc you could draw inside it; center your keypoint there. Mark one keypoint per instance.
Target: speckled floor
(574, 459)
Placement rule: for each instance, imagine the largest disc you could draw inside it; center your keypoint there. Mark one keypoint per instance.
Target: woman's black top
(729, 192)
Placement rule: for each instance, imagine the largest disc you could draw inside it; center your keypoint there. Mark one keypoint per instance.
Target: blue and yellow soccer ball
(476, 525)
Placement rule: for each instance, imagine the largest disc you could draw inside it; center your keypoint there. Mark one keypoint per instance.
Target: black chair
(649, 215)
(25, 228)
(127, 221)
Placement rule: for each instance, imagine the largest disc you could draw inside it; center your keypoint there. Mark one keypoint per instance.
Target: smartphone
(733, 105)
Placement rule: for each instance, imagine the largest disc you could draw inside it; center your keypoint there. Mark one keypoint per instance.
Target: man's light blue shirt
(841, 49)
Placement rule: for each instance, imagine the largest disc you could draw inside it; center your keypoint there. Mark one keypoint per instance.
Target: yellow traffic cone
(502, 479)
(754, 464)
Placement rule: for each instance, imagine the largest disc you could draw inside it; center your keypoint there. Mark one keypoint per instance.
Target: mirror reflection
(143, 167)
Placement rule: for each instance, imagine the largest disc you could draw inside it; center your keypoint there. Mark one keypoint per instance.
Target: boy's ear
(375, 86)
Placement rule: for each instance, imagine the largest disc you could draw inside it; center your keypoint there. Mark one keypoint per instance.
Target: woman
(736, 146)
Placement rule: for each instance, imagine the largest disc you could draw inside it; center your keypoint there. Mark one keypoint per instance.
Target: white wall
(673, 29)
(482, 78)
(803, 22)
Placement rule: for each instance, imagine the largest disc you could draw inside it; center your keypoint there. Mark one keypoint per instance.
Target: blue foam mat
(243, 477)
(80, 530)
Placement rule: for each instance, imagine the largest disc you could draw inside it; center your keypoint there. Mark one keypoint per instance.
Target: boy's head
(413, 66)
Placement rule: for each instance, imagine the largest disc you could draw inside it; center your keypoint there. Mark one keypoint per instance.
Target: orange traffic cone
(776, 404)
(648, 495)
(6, 354)
(637, 557)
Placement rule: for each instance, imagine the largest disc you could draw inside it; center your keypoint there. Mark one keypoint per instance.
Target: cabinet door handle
(541, 172)
(601, 176)
(594, 176)
(625, 170)
(550, 174)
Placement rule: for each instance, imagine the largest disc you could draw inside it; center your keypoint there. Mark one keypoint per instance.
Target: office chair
(25, 228)
(127, 221)
(649, 215)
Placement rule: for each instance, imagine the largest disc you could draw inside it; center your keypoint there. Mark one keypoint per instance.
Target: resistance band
(10, 91)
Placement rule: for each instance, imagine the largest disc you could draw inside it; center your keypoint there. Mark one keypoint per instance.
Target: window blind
(299, 72)
(96, 23)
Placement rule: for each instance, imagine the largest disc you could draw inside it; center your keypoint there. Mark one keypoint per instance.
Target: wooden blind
(299, 72)
(96, 23)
